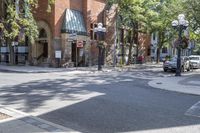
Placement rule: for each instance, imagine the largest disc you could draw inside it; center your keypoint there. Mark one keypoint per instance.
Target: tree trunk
(130, 50)
(158, 55)
(136, 41)
(123, 50)
(136, 38)
(12, 54)
(159, 46)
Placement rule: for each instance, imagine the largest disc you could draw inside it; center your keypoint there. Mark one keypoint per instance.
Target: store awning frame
(73, 22)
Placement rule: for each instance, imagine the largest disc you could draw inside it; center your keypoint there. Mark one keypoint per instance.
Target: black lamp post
(181, 24)
(100, 31)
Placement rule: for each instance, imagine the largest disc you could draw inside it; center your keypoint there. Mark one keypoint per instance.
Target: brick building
(70, 22)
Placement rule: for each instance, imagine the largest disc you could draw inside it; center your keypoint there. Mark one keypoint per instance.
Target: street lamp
(14, 45)
(180, 25)
(100, 31)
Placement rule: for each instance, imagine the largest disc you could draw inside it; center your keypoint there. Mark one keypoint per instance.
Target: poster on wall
(58, 54)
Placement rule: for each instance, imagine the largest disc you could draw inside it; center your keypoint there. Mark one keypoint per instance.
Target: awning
(73, 22)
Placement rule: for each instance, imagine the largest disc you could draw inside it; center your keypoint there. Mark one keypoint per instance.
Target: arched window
(42, 33)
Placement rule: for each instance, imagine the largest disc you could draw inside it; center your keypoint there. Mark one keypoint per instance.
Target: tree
(167, 11)
(19, 22)
(193, 15)
(135, 15)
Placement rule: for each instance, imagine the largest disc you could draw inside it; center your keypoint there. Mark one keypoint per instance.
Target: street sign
(72, 37)
(79, 44)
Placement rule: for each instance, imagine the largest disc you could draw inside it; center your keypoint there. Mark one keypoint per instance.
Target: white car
(195, 61)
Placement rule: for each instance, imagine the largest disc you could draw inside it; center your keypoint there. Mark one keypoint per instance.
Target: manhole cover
(4, 116)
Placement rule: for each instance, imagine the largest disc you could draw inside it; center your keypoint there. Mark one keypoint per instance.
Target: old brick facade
(56, 45)
(94, 11)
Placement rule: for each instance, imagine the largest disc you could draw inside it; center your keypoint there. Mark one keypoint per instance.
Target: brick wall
(93, 12)
(41, 14)
(144, 44)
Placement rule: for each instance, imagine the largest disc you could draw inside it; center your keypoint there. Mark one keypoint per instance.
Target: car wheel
(165, 70)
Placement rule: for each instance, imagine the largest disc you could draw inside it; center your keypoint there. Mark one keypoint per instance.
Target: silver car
(172, 64)
(195, 61)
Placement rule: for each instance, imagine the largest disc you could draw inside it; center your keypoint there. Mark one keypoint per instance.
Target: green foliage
(132, 12)
(193, 13)
(17, 23)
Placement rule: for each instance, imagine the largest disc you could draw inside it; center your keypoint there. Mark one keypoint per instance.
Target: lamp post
(100, 31)
(14, 45)
(180, 25)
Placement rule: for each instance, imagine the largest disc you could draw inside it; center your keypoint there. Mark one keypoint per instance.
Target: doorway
(77, 55)
(45, 50)
(42, 47)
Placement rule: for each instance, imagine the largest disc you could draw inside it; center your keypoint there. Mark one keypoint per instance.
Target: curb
(172, 84)
(34, 121)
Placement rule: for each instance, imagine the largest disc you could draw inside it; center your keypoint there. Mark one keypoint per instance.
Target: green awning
(73, 22)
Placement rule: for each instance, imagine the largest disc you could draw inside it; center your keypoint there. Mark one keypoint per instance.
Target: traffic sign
(79, 44)
(73, 35)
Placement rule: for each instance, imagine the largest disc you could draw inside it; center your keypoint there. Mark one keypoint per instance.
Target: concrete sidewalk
(32, 69)
(36, 69)
(20, 122)
(187, 83)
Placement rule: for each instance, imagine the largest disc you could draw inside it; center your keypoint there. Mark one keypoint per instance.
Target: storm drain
(194, 110)
(4, 116)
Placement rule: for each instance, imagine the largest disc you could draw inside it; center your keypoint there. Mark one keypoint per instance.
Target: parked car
(195, 61)
(172, 64)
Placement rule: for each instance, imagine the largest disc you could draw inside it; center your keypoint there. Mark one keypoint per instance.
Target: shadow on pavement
(123, 103)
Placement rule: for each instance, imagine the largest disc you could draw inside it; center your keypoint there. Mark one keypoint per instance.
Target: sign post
(58, 56)
(79, 44)
(72, 37)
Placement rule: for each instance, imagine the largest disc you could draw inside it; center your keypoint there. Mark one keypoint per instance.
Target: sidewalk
(20, 122)
(187, 83)
(32, 69)
(36, 69)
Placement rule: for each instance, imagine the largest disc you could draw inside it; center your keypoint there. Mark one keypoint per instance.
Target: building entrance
(42, 47)
(77, 55)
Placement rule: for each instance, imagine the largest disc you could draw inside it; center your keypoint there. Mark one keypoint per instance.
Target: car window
(194, 58)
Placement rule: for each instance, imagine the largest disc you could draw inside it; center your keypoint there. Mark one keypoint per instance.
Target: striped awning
(73, 22)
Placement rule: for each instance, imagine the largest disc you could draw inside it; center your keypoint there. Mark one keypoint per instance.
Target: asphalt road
(99, 102)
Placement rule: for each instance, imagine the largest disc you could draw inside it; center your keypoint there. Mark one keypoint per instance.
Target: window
(164, 50)
(93, 36)
(42, 33)
(154, 36)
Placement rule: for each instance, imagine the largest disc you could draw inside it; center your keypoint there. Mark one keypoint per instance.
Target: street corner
(164, 82)
(12, 120)
(183, 84)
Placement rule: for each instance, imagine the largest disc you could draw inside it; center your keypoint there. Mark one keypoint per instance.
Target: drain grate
(4, 116)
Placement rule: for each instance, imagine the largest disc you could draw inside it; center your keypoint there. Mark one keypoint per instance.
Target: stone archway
(43, 44)
(45, 26)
